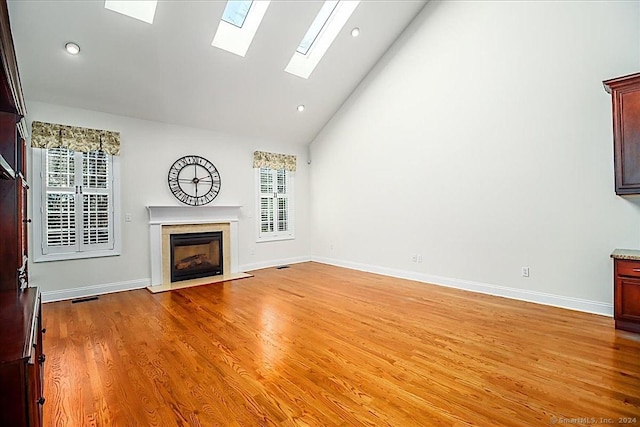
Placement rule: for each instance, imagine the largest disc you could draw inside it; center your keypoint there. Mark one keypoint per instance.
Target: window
(275, 204)
(76, 199)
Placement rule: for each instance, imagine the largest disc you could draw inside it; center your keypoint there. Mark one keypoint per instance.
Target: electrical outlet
(127, 217)
(419, 258)
(525, 271)
(414, 258)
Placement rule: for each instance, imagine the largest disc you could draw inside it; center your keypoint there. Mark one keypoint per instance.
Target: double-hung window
(275, 200)
(76, 203)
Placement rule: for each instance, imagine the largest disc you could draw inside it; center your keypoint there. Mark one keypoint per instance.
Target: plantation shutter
(60, 204)
(282, 198)
(78, 201)
(97, 212)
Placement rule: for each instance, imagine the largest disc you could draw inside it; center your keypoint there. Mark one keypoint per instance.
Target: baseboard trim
(274, 263)
(89, 291)
(588, 306)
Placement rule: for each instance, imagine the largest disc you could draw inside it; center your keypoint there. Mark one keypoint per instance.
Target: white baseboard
(571, 303)
(274, 263)
(595, 307)
(89, 291)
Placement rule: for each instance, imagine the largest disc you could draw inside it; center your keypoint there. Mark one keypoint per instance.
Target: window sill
(74, 255)
(275, 238)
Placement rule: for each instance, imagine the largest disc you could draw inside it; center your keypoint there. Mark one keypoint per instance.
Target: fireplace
(196, 255)
(166, 221)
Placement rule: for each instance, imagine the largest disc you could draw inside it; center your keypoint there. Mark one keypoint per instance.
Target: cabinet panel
(12, 377)
(630, 134)
(629, 294)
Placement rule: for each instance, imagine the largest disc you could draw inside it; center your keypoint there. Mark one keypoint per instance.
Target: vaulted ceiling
(169, 72)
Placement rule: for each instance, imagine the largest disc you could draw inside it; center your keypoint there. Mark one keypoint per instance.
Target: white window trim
(39, 168)
(275, 236)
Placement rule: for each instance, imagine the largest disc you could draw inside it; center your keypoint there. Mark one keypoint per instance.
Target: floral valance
(262, 159)
(51, 135)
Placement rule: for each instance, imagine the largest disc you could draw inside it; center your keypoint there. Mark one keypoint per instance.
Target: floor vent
(77, 300)
(280, 267)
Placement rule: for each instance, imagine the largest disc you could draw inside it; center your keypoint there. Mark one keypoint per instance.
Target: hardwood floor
(315, 345)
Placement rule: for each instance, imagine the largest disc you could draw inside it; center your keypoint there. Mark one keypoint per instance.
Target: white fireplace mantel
(192, 214)
(175, 215)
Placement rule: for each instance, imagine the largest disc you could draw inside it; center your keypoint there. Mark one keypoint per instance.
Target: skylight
(322, 32)
(236, 12)
(316, 26)
(239, 23)
(142, 10)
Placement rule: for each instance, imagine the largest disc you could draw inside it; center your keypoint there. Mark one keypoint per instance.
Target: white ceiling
(169, 72)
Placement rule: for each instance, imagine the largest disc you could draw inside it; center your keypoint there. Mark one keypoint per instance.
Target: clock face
(194, 180)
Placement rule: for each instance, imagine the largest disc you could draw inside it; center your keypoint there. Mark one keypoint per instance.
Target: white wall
(483, 142)
(148, 150)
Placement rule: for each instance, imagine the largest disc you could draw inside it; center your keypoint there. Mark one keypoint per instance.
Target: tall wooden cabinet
(625, 99)
(21, 356)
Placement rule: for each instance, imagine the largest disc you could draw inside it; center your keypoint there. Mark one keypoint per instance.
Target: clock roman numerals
(194, 180)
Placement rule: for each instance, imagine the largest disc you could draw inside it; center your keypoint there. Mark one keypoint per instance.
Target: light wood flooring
(316, 345)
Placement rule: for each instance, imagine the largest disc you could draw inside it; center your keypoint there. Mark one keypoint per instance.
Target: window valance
(51, 135)
(262, 159)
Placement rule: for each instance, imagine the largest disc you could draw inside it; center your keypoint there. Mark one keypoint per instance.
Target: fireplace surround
(165, 221)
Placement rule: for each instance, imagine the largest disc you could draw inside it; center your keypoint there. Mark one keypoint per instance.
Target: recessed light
(301, 108)
(72, 48)
(355, 32)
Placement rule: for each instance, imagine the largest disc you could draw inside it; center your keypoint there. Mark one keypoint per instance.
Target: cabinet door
(628, 142)
(627, 295)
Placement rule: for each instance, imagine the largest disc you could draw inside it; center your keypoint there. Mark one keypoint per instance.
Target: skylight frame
(303, 65)
(236, 39)
(142, 10)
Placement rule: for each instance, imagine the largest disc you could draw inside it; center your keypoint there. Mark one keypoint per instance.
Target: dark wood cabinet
(627, 294)
(21, 358)
(625, 98)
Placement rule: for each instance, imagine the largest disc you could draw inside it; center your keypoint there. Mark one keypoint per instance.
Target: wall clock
(194, 180)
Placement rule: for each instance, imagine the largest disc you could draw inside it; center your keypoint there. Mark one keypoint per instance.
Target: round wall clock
(194, 180)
